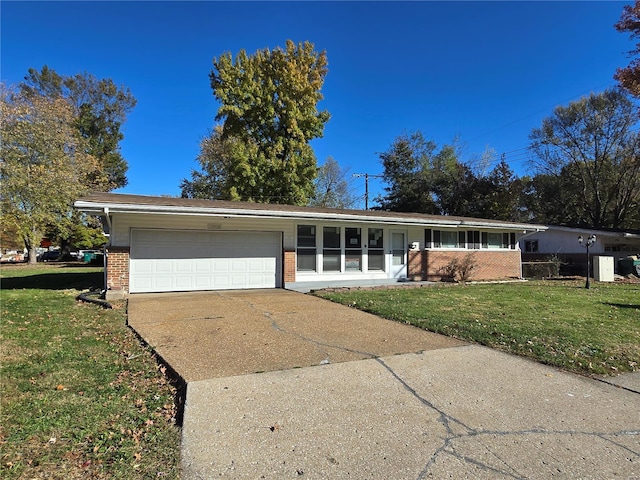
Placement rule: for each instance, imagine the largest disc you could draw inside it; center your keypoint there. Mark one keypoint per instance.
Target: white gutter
(106, 214)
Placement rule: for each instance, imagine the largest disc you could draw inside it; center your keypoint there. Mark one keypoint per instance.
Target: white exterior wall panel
(123, 223)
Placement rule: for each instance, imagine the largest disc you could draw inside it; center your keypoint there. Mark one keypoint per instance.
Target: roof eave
(99, 208)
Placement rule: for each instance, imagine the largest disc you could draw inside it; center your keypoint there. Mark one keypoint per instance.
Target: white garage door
(181, 261)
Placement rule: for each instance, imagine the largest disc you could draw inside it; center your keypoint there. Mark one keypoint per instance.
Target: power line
(366, 186)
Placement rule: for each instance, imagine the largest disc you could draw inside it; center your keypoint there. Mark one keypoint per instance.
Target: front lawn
(81, 396)
(559, 323)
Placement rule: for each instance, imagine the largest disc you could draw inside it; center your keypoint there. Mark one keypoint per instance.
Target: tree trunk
(33, 256)
(31, 251)
(65, 249)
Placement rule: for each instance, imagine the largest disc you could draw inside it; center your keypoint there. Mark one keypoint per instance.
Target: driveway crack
(448, 446)
(321, 346)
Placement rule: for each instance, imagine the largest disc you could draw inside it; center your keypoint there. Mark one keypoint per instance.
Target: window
(509, 240)
(491, 240)
(353, 249)
(398, 248)
(428, 242)
(531, 246)
(306, 252)
(331, 252)
(448, 238)
(473, 239)
(462, 239)
(445, 238)
(376, 249)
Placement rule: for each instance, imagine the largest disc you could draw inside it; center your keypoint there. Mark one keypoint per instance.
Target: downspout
(105, 254)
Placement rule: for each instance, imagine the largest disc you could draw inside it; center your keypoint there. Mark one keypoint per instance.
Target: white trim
(336, 215)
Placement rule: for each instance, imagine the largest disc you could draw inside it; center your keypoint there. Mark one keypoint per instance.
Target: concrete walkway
(450, 411)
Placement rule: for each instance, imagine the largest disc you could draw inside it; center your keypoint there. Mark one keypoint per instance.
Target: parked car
(49, 256)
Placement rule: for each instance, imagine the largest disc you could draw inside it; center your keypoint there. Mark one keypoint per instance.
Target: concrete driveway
(225, 333)
(414, 405)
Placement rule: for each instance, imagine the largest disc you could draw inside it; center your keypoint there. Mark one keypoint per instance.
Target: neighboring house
(562, 242)
(161, 244)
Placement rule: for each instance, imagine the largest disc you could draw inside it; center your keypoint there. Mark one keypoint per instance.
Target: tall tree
(454, 184)
(629, 76)
(423, 179)
(332, 187)
(407, 169)
(100, 108)
(44, 164)
(270, 115)
(593, 151)
(501, 195)
(214, 180)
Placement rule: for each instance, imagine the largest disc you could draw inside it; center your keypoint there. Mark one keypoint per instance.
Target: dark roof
(119, 199)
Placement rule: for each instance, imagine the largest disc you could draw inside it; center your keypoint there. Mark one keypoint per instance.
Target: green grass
(594, 331)
(81, 396)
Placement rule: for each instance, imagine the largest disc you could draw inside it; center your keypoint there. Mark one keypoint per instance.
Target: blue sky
(486, 72)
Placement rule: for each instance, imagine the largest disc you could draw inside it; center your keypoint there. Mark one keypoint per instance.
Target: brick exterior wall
(417, 265)
(117, 271)
(289, 266)
(490, 265)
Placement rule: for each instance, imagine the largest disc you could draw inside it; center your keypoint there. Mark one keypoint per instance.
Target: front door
(398, 255)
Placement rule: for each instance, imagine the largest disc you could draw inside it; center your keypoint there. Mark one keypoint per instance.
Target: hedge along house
(161, 244)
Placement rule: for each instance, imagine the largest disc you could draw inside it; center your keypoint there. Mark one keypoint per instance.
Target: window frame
(330, 252)
(352, 249)
(309, 251)
(469, 239)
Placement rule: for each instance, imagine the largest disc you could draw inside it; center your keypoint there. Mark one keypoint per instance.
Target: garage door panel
(203, 266)
(162, 266)
(238, 265)
(183, 267)
(162, 283)
(164, 260)
(255, 279)
(142, 267)
(183, 282)
(141, 284)
(203, 282)
(220, 282)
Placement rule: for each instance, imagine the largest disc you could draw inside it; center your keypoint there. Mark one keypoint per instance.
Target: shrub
(460, 270)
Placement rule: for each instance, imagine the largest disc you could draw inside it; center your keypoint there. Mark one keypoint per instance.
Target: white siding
(123, 223)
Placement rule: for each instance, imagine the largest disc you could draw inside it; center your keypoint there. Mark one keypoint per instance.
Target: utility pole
(366, 186)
